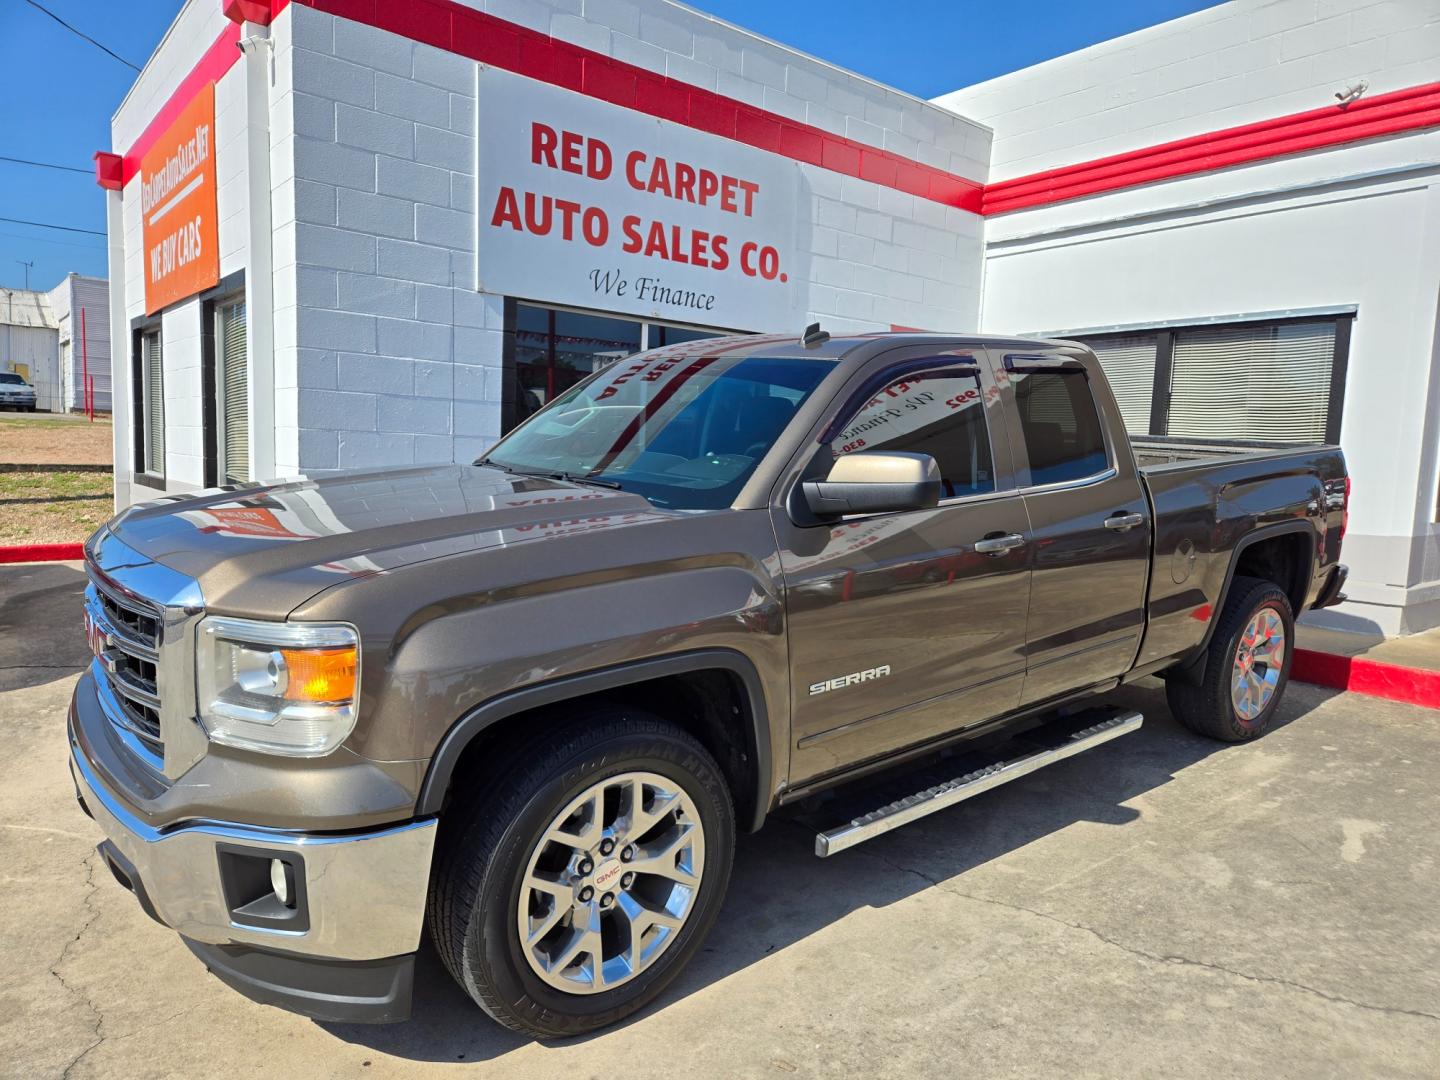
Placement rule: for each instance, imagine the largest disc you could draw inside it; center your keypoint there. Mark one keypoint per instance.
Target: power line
(81, 33)
(47, 225)
(88, 245)
(44, 165)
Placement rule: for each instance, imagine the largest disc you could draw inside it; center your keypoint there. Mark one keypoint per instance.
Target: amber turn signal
(320, 675)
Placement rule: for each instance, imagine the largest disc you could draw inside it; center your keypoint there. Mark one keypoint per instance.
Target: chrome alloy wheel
(611, 882)
(1258, 663)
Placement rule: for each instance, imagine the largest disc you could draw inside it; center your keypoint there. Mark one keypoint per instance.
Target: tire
(486, 854)
(1211, 708)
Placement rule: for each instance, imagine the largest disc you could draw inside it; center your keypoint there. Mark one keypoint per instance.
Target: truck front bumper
(341, 950)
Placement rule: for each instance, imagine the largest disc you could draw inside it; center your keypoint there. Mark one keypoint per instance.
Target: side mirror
(875, 483)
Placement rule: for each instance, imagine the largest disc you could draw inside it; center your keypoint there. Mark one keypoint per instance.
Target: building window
(556, 349)
(149, 379)
(232, 386)
(659, 334)
(1253, 382)
(1129, 364)
(549, 350)
(1280, 380)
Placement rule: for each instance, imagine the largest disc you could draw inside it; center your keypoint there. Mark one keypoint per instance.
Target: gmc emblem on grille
(99, 642)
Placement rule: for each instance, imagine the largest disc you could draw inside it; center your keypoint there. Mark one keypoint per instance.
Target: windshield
(683, 431)
(11, 380)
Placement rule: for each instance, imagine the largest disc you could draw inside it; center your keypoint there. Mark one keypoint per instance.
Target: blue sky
(59, 91)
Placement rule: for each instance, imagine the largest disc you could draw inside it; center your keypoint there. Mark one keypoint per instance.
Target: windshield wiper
(591, 480)
(546, 474)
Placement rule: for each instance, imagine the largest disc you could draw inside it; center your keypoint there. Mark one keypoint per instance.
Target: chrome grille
(125, 635)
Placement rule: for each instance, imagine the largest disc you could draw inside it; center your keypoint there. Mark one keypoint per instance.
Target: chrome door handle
(1124, 522)
(999, 545)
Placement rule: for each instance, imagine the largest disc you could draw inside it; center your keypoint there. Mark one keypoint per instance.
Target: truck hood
(266, 549)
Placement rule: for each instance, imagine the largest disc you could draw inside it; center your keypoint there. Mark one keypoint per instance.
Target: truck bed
(1153, 452)
(1207, 496)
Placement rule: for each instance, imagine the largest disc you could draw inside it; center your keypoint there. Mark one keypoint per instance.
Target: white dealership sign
(593, 205)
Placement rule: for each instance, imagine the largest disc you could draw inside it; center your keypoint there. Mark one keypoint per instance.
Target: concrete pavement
(1420, 651)
(1162, 906)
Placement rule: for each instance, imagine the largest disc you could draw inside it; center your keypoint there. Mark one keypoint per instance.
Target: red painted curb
(1374, 678)
(17, 553)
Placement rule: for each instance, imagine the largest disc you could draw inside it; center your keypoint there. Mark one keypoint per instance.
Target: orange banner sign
(177, 201)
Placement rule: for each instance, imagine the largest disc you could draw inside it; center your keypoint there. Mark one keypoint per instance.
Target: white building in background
(29, 345)
(1240, 210)
(84, 341)
(382, 233)
(41, 340)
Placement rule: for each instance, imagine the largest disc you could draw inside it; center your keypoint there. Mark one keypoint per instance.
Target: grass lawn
(52, 507)
(42, 440)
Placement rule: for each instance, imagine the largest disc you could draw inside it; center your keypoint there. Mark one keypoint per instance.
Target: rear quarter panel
(1205, 512)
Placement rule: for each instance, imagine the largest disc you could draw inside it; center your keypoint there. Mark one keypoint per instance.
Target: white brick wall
(383, 202)
(231, 198)
(292, 367)
(405, 356)
(1231, 64)
(384, 353)
(184, 439)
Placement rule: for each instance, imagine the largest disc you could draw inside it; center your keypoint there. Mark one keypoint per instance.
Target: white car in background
(15, 392)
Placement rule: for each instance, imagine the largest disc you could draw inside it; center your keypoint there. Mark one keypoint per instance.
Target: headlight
(280, 688)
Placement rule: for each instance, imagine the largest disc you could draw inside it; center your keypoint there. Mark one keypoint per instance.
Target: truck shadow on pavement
(41, 624)
(780, 893)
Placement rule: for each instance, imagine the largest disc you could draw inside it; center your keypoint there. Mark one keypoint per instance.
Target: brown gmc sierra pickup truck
(524, 705)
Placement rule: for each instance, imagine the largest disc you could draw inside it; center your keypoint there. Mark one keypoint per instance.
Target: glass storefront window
(554, 349)
(674, 335)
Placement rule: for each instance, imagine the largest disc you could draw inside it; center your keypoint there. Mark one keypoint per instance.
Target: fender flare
(1192, 670)
(488, 713)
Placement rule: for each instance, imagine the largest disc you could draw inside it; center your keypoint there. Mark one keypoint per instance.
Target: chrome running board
(903, 811)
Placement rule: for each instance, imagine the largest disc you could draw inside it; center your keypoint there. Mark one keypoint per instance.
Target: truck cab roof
(854, 347)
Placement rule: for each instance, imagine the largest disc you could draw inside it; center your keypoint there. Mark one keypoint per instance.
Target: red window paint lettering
(620, 380)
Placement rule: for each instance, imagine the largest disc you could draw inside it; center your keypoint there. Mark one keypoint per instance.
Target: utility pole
(27, 266)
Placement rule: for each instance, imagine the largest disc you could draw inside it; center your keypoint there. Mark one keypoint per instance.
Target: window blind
(154, 405)
(234, 390)
(1263, 381)
(1129, 364)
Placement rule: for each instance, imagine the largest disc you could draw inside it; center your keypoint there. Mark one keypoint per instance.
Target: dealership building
(381, 232)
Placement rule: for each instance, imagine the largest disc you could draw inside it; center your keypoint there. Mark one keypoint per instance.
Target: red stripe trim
(18, 553)
(218, 59)
(1385, 114)
(478, 36)
(474, 34)
(462, 30)
(1373, 678)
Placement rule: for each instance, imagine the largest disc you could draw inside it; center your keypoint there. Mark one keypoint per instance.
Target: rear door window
(1059, 424)
(940, 413)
